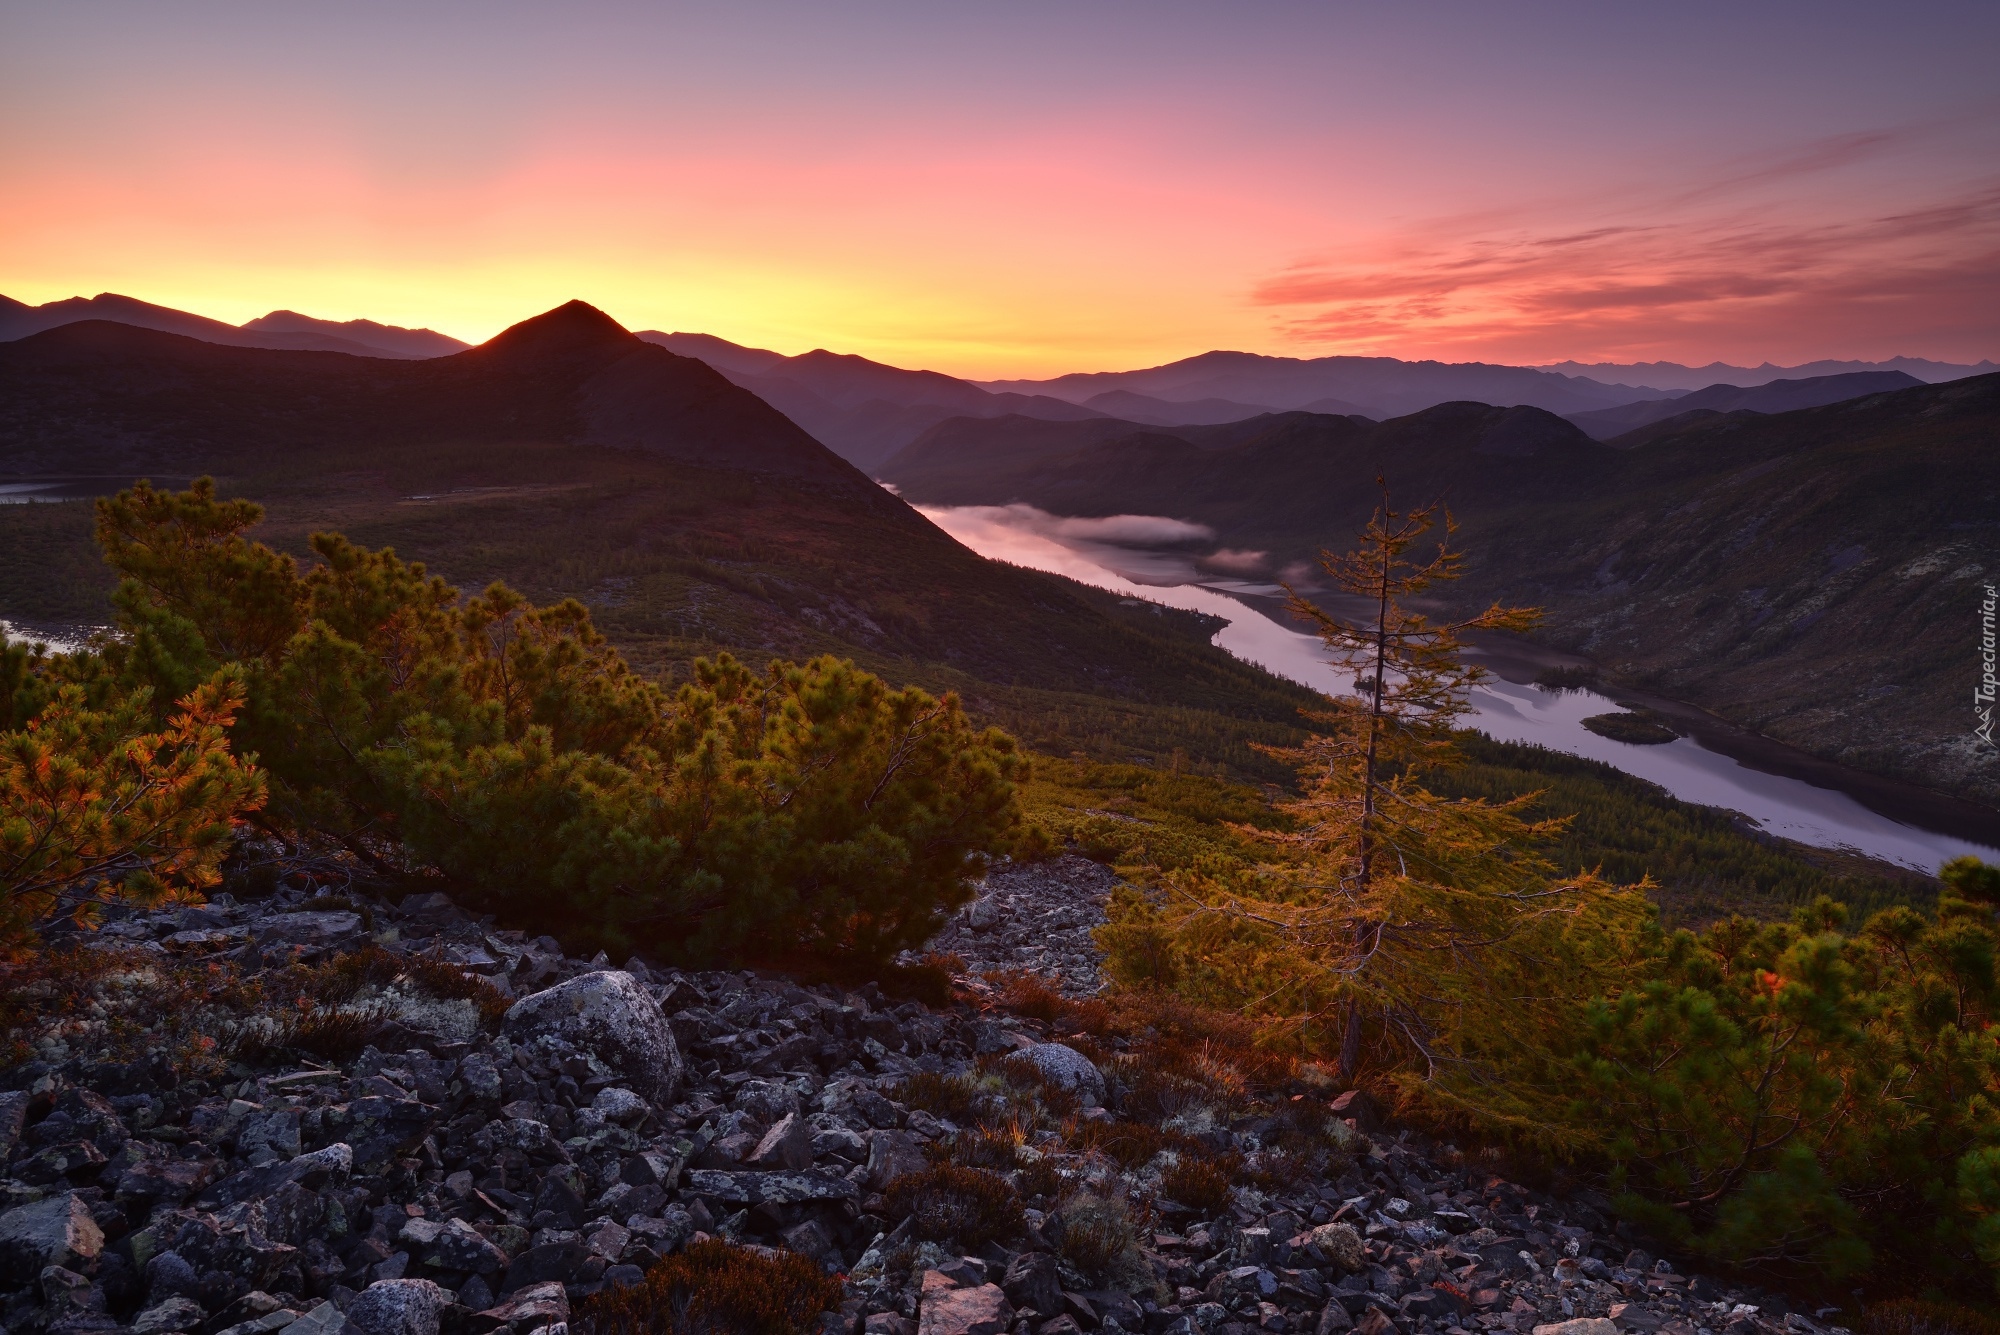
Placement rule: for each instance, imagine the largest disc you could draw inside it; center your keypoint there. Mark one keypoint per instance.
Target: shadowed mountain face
(100, 397)
(570, 458)
(279, 329)
(862, 410)
(1814, 574)
(1775, 396)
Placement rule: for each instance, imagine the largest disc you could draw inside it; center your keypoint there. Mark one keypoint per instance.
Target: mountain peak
(573, 327)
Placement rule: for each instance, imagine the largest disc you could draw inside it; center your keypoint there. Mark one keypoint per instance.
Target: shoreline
(1518, 660)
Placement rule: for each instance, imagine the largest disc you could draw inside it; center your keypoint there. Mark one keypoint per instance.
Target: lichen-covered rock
(169, 1317)
(398, 1307)
(610, 1016)
(1341, 1246)
(1064, 1066)
(58, 1231)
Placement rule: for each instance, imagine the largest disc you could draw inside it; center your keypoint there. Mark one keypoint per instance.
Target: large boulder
(1064, 1067)
(398, 1307)
(981, 1310)
(54, 1232)
(610, 1016)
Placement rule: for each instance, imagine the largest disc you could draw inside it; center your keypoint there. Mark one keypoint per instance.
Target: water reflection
(1790, 808)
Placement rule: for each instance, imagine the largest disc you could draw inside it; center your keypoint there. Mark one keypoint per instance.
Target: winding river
(1133, 555)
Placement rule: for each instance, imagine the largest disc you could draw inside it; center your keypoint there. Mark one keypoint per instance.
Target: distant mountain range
(862, 410)
(1773, 396)
(866, 411)
(279, 329)
(1672, 375)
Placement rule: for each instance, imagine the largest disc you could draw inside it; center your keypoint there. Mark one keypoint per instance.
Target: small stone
(1583, 1325)
(535, 1305)
(787, 1145)
(324, 1319)
(175, 1314)
(169, 1275)
(1341, 1246)
(398, 1307)
(1033, 1280)
(1066, 1068)
(976, 1311)
(621, 1106)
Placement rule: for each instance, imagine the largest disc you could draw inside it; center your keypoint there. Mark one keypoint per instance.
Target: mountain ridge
(284, 330)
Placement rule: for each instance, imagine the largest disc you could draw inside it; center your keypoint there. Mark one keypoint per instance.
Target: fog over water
(1101, 552)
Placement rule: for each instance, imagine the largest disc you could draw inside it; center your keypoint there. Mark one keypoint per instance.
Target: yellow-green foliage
(97, 803)
(807, 808)
(1789, 1091)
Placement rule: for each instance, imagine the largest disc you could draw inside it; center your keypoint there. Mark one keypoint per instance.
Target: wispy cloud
(1724, 263)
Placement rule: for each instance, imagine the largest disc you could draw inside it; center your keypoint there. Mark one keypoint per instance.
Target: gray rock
(771, 1188)
(1583, 1325)
(788, 1145)
(398, 1307)
(168, 1275)
(1033, 1280)
(1341, 1246)
(891, 1154)
(13, 1120)
(310, 929)
(1065, 1067)
(325, 1319)
(58, 1231)
(620, 1106)
(530, 1308)
(460, 1246)
(611, 1016)
(173, 1315)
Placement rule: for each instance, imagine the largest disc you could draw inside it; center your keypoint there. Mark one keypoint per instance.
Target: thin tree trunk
(1350, 1038)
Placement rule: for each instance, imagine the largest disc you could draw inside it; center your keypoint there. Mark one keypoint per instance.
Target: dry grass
(952, 1097)
(1098, 1237)
(715, 1288)
(951, 1201)
(1198, 1184)
(120, 1006)
(1912, 1316)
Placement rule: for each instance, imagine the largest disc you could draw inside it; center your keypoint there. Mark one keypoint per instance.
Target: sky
(1032, 188)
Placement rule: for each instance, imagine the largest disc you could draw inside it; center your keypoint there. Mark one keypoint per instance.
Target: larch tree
(1431, 924)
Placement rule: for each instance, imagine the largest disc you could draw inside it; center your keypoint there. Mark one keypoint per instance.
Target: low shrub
(950, 1201)
(994, 1148)
(1127, 1144)
(715, 1288)
(952, 1097)
(1198, 1184)
(1097, 1236)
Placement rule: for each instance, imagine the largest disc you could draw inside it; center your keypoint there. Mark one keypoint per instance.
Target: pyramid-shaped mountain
(97, 396)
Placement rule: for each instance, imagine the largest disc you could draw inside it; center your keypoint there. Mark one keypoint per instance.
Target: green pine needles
(807, 809)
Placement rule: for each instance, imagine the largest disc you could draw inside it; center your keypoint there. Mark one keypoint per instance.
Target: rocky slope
(474, 1168)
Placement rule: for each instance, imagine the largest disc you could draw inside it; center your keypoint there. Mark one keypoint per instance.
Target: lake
(1114, 554)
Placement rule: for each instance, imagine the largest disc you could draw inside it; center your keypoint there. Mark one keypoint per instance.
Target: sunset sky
(1030, 188)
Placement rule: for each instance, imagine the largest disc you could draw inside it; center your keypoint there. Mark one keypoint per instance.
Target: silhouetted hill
(569, 457)
(1168, 412)
(279, 329)
(101, 397)
(862, 410)
(1775, 396)
(381, 338)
